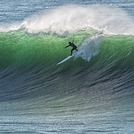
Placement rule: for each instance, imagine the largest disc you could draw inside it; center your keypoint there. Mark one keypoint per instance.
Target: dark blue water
(93, 92)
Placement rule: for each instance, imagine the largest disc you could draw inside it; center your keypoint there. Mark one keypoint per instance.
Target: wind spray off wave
(72, 18)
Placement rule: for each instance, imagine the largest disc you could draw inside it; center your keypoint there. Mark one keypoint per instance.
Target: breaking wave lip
(72, 18)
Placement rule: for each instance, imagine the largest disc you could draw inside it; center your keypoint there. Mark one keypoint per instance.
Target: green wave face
(18, 47)
(117, 51)
(21, 49)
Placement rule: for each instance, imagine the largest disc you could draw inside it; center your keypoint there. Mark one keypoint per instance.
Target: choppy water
(93, 92)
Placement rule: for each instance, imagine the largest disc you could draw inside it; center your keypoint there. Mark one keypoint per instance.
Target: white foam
(90, 48)
(73, 18)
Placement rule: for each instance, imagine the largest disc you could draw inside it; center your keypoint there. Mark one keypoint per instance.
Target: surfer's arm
(67, 46)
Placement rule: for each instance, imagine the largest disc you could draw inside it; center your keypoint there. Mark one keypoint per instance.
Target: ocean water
(91, 93)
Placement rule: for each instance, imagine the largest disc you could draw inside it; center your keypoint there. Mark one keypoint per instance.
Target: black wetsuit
(72, 45)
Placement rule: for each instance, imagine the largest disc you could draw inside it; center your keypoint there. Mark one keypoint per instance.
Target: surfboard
(67, 58)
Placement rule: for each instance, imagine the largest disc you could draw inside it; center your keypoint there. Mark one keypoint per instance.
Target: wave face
(96, 85)
(34, 57)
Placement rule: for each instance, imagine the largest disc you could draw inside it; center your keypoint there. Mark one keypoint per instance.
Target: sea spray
(73, 18)
(90, 48)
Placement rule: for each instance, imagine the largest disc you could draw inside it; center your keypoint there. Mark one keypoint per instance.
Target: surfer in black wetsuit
(72, 45)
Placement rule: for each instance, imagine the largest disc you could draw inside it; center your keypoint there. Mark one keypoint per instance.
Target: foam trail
(90, 48)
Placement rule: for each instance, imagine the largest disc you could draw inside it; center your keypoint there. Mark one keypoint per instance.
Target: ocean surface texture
(92, 92)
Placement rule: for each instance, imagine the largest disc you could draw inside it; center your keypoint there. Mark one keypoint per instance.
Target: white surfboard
(67, 58)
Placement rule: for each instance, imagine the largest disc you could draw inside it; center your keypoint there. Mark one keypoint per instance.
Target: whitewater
(92, 92)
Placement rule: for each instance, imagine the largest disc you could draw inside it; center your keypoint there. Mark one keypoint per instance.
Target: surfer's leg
(72, 51)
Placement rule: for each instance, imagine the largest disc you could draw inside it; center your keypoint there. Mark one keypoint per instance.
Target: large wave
(93, 92)
(30, 51)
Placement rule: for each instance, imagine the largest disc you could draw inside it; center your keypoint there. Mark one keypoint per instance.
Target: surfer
(72, 45)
